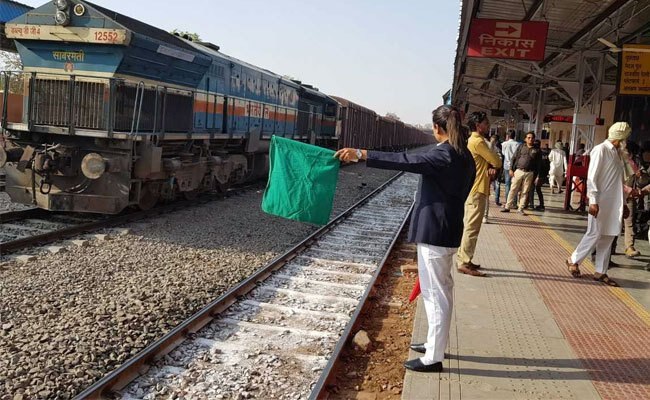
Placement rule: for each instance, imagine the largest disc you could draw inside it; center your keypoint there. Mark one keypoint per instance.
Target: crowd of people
(452, 203)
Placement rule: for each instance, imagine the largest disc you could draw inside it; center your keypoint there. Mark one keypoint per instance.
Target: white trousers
(555, 179)
(593, 239)
(437, 289)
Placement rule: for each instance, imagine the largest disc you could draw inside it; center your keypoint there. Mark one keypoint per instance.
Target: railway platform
(531, 331)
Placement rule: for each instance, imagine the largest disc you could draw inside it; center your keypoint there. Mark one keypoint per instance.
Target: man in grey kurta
(605, 179)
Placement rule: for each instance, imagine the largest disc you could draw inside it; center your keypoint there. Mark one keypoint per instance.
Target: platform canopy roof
(575, 27)
(8, 11)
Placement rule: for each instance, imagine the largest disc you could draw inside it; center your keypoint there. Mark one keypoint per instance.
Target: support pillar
(587, 99)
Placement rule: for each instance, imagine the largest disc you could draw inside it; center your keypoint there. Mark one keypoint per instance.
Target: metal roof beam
(482, 107)
(614, 7)
(490, 94)
(562, 95)
(524, 70)
(530, 14)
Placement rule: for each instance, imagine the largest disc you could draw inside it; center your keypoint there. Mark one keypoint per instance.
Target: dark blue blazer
(446, 180)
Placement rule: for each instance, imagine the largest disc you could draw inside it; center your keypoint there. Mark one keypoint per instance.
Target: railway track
(30, 227)
(278, 333)
(34, 227)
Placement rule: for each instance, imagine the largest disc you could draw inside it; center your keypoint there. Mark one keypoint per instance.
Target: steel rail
(131, 369)
(10, 216)
(330, 368)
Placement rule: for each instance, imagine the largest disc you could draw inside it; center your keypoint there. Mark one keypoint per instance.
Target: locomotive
(109, 112)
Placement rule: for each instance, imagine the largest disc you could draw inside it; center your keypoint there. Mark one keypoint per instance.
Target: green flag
(302, 181)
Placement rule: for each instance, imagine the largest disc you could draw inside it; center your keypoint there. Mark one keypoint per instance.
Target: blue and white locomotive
(110, 112)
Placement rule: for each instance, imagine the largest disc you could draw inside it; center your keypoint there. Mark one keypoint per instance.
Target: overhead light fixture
(607, 43)
(612, 47)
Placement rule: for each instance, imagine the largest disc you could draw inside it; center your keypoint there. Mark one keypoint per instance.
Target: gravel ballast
(7, 205)
(67, 319)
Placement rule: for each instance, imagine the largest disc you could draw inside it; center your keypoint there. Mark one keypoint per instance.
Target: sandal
(463, 269)
(606, 280)
(574, 270)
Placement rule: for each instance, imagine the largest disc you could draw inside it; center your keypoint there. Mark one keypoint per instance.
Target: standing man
(524, 165)
(607, 209)
(493, 145)
(508, 149)
(476, 202)
(632, 174)
(540, 179)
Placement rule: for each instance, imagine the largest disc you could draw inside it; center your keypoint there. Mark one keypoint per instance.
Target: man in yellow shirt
(477, 200)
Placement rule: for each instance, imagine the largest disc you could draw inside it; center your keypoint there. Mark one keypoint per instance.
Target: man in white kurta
(557, 158)
(606, 202)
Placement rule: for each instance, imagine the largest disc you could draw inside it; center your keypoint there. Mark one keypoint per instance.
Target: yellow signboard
(68, 34)
(635, 70)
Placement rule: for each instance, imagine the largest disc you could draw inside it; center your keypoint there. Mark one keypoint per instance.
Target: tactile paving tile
(610, 338)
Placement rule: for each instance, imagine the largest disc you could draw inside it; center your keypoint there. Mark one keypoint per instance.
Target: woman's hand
(349, 154)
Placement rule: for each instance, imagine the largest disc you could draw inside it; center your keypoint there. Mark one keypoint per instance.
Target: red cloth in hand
(416, 290)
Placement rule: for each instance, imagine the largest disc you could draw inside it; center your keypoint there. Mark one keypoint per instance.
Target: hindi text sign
(635, 71)
(517, 40)
(68, 34)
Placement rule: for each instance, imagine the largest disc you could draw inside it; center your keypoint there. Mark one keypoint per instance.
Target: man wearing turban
(605, 179)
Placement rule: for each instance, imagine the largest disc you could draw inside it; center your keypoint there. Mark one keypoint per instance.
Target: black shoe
(540, 208)
(505, 210)
(417, 366)
(418, 347)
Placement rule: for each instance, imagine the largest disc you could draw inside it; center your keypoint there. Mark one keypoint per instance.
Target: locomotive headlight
(79, 9)
(61, 5)
(61, 18)
(93, 166)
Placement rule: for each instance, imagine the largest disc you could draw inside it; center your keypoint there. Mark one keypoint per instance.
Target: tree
(10, 61)
(393, 116)
(192, 36)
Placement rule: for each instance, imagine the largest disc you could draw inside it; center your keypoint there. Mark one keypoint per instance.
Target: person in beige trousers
(525, 165)
(487, 162)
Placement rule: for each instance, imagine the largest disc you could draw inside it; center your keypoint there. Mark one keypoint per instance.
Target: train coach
(109, 112)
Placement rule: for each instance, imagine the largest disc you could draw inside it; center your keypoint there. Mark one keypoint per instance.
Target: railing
(92, 103)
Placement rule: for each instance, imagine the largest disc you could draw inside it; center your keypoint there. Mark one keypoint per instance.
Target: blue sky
(387, 55)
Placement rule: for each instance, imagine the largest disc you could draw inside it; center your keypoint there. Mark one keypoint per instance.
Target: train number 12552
(106, 36)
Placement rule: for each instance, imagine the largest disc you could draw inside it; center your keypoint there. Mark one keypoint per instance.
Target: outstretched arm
(421, 163)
